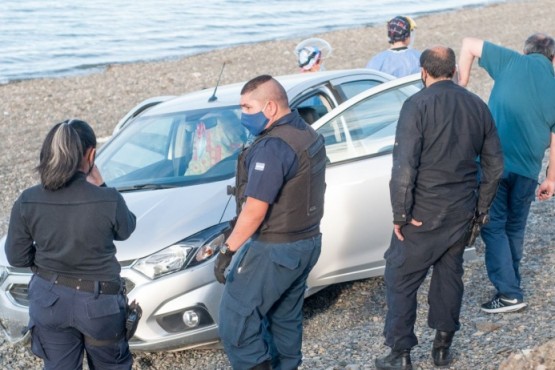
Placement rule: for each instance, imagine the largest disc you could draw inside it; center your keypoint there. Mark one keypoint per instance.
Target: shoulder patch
(259, 166)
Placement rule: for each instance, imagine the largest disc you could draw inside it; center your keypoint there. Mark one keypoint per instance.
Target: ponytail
(62, 152)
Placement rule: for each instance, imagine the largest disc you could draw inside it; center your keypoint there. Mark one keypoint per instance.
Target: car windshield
(177, 149)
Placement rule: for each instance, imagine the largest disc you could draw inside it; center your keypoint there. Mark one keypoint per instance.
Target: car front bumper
(166, 302)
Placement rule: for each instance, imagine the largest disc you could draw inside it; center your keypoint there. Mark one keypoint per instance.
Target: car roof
(229, 94)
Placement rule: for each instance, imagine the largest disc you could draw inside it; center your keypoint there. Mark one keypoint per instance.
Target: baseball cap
(399, 28)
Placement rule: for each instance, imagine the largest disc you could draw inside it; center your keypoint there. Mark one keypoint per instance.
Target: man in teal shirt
(522, 103)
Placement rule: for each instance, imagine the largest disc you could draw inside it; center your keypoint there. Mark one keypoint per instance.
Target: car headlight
(191, 251)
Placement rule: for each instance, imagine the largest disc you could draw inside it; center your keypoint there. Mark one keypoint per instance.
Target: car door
(357, 223)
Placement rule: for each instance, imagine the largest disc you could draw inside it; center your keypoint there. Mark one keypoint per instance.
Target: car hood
(166, 216)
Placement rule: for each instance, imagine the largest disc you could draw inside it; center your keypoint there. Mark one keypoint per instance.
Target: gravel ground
(343, 323)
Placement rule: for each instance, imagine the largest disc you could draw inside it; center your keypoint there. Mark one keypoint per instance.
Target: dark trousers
(66, 322)
(504, 233)
(444, 297)
(261, 309)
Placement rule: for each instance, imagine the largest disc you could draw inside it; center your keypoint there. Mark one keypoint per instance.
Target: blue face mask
(255, 123)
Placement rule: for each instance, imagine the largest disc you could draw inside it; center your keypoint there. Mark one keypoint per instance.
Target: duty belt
(104, 287)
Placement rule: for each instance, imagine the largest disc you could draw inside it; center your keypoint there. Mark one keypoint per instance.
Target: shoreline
(85, 69)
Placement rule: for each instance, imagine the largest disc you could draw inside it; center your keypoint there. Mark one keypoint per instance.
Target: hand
(397, 228)
(477, 222)
(222, 261)
(94, 177)
(545, 190)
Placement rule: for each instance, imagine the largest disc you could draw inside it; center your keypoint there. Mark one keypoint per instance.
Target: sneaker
(503, 304)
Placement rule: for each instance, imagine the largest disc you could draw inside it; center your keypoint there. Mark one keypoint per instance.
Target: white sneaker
(503, 304)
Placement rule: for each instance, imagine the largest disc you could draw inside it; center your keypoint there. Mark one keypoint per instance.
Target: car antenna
(214, 97)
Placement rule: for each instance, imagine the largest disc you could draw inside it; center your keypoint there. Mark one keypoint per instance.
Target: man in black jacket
(435, 195)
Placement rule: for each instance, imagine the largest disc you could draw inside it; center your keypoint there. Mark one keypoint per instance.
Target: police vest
(296, 213)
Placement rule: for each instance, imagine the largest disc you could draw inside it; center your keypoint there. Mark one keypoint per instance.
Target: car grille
(20, 292)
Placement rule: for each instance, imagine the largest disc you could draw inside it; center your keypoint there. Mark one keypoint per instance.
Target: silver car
(174, 161)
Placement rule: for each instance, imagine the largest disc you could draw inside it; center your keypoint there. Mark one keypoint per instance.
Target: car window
(368, 127)
(313, 106)
(352, 88)
(175, 149)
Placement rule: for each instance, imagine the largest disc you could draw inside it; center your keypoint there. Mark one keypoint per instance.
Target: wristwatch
(224, 249)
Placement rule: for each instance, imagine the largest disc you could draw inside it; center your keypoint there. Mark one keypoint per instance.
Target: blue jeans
(504, 233)
(65, 323)
(261, 309)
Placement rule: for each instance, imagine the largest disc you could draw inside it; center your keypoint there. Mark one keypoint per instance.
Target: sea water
(46, 38)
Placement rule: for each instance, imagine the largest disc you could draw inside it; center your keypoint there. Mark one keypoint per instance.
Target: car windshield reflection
(171, 150)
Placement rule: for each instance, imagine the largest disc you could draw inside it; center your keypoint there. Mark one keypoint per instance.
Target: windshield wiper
(145, 187)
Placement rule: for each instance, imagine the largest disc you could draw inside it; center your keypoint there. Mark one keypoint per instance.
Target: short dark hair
(62, 152)
(540, 43)
(439, 61)
(254, 83)
(272, 91)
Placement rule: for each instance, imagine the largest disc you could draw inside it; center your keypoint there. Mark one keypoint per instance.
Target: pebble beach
(344, 322)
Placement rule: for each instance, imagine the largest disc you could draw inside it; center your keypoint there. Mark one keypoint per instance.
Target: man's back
(522, 104)
(442, 130)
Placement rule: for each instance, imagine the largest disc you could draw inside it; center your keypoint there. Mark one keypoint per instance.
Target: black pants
(444, 297)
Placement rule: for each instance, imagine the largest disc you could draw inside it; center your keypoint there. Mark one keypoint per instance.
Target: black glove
(475, 225)
(222, 261)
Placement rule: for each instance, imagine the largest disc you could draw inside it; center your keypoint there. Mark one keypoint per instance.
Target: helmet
(310, 51)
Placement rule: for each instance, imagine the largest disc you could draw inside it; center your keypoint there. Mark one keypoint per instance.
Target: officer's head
(70, 146)
(263, 101)
(438, 62)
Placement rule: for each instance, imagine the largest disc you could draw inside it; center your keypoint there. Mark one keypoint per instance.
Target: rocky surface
(343, 323)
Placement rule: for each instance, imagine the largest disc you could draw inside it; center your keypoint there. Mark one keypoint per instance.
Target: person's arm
(491, 162)
(547, 187)
(126, 221)
(249, 220)
(406, 159)
(19, 247)
(471, 48)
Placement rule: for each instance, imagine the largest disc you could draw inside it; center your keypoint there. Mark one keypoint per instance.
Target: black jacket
(70, 231)
(442, 131)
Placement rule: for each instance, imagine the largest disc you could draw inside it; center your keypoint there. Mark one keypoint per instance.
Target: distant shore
(30, 107)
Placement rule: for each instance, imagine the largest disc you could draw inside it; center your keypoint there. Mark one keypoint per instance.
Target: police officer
(280, 198)
(64, 230)
(435, 195)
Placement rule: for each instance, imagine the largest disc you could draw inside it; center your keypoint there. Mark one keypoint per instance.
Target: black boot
(396, 360)
(440, 349)
(266, 365)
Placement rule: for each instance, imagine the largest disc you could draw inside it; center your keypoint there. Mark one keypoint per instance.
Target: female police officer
(64, 229)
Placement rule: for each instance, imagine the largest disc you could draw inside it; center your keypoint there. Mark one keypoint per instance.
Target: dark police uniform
(441, 132)
(261, 309)
(76, 298)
